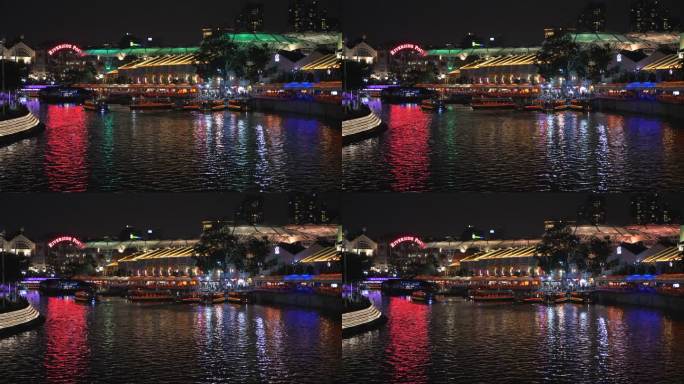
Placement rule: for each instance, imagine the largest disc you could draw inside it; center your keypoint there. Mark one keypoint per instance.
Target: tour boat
(95, 106)
(419, 296)
(151, 105)
(579, 105)
(190, 298)
(485, 295)
(190, 107)
(238, 105)
(215, 298)
(533, 299)
(579, 297)
(496, 103)
(534, 107)
(213, 106)
(238, 297)
(147, 296)
(561, 298)
(560, 106)
(432, 105)
(85, 296)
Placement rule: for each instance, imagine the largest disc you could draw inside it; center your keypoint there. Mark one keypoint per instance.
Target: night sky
(519, 215)
(520, 22)
(95, 22)
(98, 215)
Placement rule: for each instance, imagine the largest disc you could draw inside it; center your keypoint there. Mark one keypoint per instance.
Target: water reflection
(466, 342)
(172, 151)
(119, 342)
(465, 150)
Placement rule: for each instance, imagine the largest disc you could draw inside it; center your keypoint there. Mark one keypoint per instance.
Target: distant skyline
(95, 22)
(519, 215)
(437, 22)
(105, 214)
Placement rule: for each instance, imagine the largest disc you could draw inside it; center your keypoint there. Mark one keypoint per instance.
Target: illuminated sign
(63, 47)
(66, 239)
(407, 239)
(412, 47)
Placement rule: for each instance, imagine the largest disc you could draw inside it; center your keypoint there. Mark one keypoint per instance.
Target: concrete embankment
(324, 111)
(644, 299)
(328, 304)
(361, 127)
(361, 319)
(19, 320)
(641, 107)
(18, 128)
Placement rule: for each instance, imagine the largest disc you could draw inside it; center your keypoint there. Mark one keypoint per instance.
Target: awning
(664, 256)
(323, 256)
(324, 62)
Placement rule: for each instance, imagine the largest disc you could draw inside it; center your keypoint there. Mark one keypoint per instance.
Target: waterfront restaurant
(503, 262)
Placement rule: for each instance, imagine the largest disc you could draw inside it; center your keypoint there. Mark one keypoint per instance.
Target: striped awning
(158, 61)
(506, 253)
(164, 253)
(664, 63)
(502, 61)
(323, 256)
(324, 62)
(664, 256)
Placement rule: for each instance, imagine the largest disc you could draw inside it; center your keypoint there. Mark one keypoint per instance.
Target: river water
(167, 151)
(509, 343)
(509, 151)
(116, 341)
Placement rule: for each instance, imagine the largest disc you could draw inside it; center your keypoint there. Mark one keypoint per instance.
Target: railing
(361, 317)
(18, 125)
(19, 317)
(360, 125)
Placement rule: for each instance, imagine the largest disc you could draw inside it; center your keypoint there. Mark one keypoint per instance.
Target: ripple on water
(463, 150)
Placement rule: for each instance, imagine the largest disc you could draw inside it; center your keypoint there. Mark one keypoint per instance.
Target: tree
(13, 267)
(557, 56)
(216, 249)
(216, 57)
(557, 249)
(354, 266)
(251, 62)
(592, 62)
(596, 256)
(354, 73)
(257, 251)
(13, 74)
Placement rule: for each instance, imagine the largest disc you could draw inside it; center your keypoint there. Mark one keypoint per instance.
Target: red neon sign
(403, 47)
(62, 47)
(66, 239)
(408, 239)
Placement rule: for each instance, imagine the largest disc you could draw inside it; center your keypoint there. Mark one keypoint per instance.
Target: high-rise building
(308, 209)
(593, 211)
(251, 211)
(649, 208)
(592, 18)
(308, 16)
(251, 18)
(650, 16)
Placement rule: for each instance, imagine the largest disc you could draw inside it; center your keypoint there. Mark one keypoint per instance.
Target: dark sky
(519, 215)
(442, 21)
(95, 22)
(97, 215)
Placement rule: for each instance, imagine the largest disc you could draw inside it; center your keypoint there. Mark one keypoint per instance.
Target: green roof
(151, 51)
(266, 38)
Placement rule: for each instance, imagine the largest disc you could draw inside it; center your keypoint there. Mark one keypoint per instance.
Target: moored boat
(85, 296)
(215, 298)
(419, 296)
(493, 103)
(96, 106)
(492, 295)
(151, 105)
(533, 299)
(190, 298)
(237, 297)
(238, 105)
(432, 105)
(150, 296)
